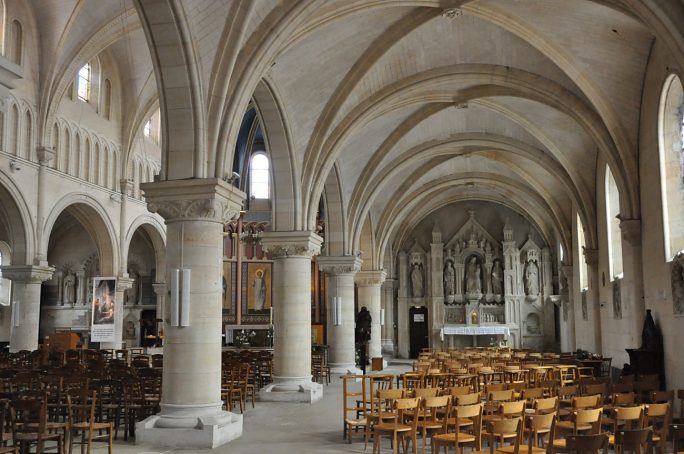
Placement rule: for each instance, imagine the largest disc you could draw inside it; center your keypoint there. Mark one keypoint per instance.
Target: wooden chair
(498, 431)
(538, 426)
(248, 387)
(458, 438)
(435, 410)
(581, 421)
(661, 397)
(545, 405)
(658, 417)
(626, 418)
(82, 421)
(399, 431)
(507, 410)
(457, 390)
(353, 408)
(29, 425)
(494, 398)
(632, 440)
(6, 437)
(583, 444)
(677, 431)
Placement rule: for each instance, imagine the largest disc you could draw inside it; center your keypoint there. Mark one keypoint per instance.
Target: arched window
(83, 83)
(16, 43)
(259, 176)
(671, 153)
(613, 226)
(584, 281)
(107, 99)
(147, 129)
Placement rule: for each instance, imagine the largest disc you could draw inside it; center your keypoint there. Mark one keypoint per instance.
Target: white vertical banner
(102, 321)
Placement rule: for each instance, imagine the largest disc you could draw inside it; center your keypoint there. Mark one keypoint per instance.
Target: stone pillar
(633, 304)
(59, 275)
(388, 304)
(340, 273)
(436, 312)
(191, 416)
(160, 290)
(26, 282)
(122, 283)
(403, 309)
(567, 308)
(591, 257)
(45, 155)
(368, 284)
(126, 187)
(291, 253)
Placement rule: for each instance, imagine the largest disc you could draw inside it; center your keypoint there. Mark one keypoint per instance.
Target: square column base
(210, 432)
(302, 392)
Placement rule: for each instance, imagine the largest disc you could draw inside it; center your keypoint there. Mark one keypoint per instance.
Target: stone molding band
(339, 265)
(299, 243)
(370, 278)
(29, 274)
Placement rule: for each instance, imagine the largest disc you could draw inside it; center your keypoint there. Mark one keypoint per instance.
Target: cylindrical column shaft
(369, 294)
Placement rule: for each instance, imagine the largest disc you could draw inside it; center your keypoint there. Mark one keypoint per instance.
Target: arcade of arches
(509, 165)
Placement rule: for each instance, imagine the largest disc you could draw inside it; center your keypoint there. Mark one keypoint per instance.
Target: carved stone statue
(497, 278)
(449, 279)
(132, 293)
(532, 279)
(69, 288)
(417, 280)
(473, 281)
(617, 299)
(678, 283)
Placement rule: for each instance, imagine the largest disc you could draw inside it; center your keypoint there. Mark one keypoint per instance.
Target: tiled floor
(286, 428)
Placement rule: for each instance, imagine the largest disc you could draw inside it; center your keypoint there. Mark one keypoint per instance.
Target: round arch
(17, 219)
(94, 219)
(157, 233)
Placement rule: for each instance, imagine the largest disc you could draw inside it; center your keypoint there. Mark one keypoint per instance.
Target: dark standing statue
(363, 335)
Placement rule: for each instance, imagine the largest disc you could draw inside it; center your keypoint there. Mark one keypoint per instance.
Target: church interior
(227, 185)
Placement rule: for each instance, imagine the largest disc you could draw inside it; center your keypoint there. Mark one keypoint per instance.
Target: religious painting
(317, 334)
(229, 287)
(258, 287)
(103, 309)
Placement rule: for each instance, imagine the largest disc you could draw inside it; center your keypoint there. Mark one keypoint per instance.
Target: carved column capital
(370, 278)
(297, 243)
(205, 199)
(631, 230)
(123, 283)
(45, 155)
(159, 288)
(390, 284)
(339, 265)
(591, 256)
(29, 274)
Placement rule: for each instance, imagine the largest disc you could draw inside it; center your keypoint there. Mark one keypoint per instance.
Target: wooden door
(418, 330)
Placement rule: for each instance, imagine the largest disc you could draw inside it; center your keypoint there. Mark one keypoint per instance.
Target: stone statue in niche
(617, 299)
(585, 311)
(449, 279)
(677, 275)
(532, 278)
(417, 280)
(472, 277)
(69, 288)
(497, 278)
(133, 293)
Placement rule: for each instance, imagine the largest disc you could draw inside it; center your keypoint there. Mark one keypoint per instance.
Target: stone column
(60, 287)
(566, 300)
(160, 290)
(26, 281)
(591, 257)
(633, 304)
(291, 253)
(403, 309)
(388, 304)
(191, 416)
(126, 187)
(122, 283)
(368, 283)
(45, 155)
(340, 273)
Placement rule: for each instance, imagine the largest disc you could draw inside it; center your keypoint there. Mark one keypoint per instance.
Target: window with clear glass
(671, 155)
(613, 226)
(84, 82)
(259, 176)
(147, 129)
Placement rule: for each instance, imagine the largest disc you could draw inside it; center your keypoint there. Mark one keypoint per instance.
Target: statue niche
(497, 278)
(449, 281)
(532, 279)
